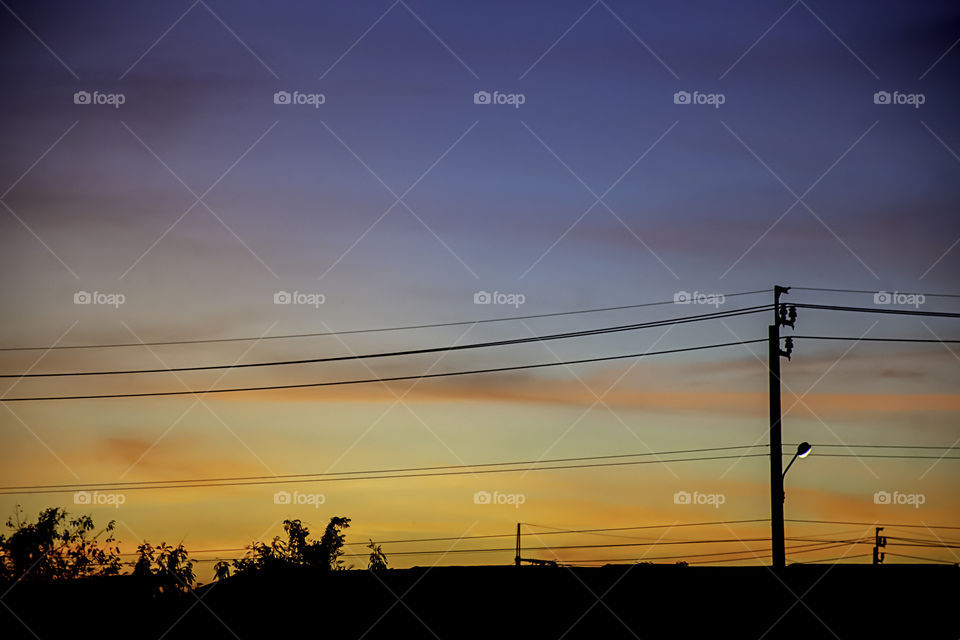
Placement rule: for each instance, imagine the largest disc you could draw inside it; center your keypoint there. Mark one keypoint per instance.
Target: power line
(600, 546)
(926, 559)
(557, 531)
(391, 477)
(902, 312)
(764, 551)
(421, 472)
(879, 446)
(388, 379)
(873, 524)
(835, 559)
(881, 455)
(100, 485)
(373, 330)
(861, 339)
(409, 352)
(875, 292)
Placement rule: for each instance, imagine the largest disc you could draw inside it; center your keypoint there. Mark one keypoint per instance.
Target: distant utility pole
(878, 543)
(781, 317)
(517, 558)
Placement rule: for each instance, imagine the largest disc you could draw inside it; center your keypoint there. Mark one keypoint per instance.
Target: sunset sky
(199, 197)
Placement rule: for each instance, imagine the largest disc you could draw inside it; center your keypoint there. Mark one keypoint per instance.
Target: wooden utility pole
(777, 496)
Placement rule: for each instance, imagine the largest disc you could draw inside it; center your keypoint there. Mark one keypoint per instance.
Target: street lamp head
(803, 450)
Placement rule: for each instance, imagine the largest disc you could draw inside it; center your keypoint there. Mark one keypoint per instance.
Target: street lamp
(803, 450)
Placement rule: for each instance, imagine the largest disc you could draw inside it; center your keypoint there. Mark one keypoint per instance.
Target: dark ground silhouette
(646, 601)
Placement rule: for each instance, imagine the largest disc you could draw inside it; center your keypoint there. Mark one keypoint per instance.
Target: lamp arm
(789, 465)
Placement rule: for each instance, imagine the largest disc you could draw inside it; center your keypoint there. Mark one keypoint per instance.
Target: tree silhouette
(57, 548)
(221, 570)
(297, 550)
(378, 559)
(164, 569)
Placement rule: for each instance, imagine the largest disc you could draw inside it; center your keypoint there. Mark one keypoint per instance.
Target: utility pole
(879, 542)
(517, 558)
(777, 496)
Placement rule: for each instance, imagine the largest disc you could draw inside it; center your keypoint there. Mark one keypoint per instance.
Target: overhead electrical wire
(423, 376)
(875, 292)
(883, 310)
(409, 352)
(433, 325)
(391, 476)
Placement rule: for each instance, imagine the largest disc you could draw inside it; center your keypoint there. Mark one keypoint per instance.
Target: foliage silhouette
(378, 559)
(164, 569)
(57, 548)
(297, 551)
